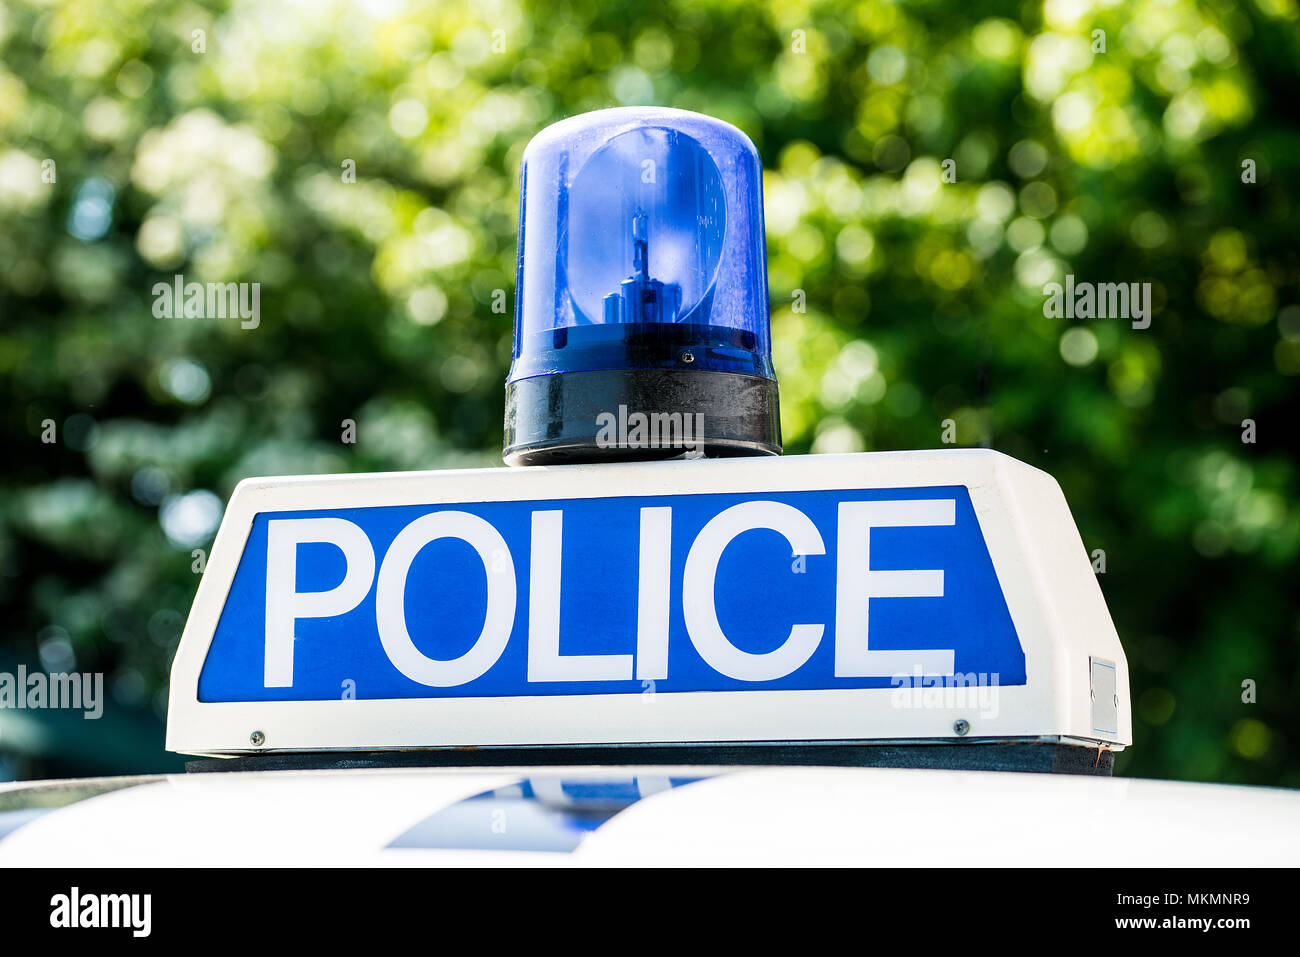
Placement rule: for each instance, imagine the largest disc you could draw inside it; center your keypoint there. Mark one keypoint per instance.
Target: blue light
(641, 302)
(641, 246)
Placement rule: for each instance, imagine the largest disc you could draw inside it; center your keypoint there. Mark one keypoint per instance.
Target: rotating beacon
(641, 313)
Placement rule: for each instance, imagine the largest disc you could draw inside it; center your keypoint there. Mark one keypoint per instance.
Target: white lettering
(856, 583)
(545, 663)
(698, 591)
(390, 599)
(285, 604)
(654, 571)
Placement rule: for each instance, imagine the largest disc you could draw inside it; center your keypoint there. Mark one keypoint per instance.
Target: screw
(961, 726)
(688, 357)
(257, 739)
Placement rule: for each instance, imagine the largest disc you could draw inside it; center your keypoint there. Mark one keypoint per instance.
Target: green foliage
(899, 300)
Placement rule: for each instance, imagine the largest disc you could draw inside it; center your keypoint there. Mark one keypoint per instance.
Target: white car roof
(653, 816)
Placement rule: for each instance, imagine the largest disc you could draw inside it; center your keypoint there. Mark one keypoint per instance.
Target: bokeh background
(224, 155)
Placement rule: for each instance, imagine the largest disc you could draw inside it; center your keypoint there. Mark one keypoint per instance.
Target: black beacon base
(629, 415)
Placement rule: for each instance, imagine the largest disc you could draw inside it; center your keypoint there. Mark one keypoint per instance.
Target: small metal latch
(1105, 696)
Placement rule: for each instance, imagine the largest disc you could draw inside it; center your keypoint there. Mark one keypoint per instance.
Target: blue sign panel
(671, 593)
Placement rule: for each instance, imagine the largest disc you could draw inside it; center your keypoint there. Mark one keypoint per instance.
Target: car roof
(633, 815)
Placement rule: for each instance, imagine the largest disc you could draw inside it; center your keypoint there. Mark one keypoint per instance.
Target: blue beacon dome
(642, 289)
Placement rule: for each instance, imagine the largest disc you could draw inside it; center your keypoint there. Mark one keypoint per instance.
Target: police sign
(804, 598)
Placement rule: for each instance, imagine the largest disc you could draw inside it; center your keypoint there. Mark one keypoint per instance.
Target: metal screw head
(257, 739)
(687, 357)
(961, 726)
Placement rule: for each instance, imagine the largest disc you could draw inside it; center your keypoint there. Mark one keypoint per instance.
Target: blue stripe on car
(537, 814)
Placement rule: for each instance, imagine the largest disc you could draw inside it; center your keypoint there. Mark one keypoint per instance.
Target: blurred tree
(931, 167)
